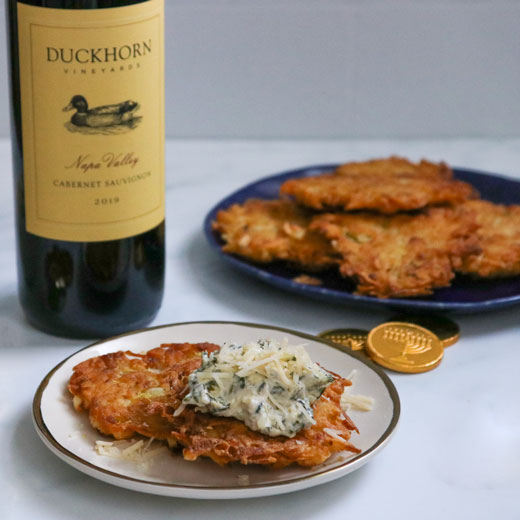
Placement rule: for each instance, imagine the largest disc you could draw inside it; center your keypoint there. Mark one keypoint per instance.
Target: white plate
(69, 435)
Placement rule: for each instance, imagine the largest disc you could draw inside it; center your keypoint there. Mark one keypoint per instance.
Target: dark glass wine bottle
(87, 107)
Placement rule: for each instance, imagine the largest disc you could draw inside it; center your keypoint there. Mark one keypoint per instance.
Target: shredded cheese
(359, 402)
(137, 451)
(363, 403)
(352, 374)
(268, 385)
(335, 434)
(179, 410)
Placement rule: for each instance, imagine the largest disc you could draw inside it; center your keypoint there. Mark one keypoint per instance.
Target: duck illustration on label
(107, 119)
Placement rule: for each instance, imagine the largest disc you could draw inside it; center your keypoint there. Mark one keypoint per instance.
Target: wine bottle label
(92, 100)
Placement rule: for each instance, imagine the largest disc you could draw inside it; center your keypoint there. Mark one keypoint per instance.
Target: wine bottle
(87, 118)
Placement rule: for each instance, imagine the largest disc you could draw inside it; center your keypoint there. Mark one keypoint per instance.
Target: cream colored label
(92, 90)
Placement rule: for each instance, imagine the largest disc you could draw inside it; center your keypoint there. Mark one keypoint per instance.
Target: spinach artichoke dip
(270, 386)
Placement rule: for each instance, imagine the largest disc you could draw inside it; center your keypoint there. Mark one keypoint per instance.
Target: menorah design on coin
(354, 339)
(412, 342)
(404, 347)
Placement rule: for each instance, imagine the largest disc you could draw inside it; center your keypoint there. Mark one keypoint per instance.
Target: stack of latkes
(395, 228)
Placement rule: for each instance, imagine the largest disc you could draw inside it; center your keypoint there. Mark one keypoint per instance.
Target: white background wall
(339, 68)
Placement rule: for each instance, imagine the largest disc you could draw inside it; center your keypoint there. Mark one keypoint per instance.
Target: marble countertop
(456, 453)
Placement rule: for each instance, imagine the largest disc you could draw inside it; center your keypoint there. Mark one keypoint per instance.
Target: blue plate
(464, 296)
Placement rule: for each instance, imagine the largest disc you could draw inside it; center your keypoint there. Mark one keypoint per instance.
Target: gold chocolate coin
(404, 347)
(354, 339)
(446, 330)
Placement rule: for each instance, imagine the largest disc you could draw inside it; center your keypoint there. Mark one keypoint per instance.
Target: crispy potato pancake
(386, 186)
(126, 393)
(401, 255)
(305, 279)
(394, 166)
(269, 230)
(226, 440)
(499, 240)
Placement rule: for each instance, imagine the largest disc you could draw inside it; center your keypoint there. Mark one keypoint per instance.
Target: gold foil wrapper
(404, 347)
(353, 339)
(445, 329)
